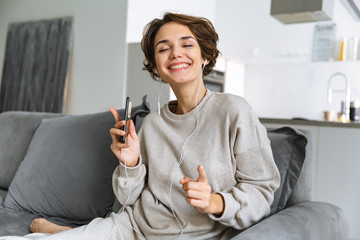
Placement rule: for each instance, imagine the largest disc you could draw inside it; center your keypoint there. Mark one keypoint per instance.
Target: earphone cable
(181, 160)
(130, 190)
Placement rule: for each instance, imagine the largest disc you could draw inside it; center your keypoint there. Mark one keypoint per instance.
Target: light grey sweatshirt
(232, 146)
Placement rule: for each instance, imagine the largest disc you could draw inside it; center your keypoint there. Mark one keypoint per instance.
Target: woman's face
(177, 54)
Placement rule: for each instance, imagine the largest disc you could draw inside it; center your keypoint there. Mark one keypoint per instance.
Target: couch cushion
(14, 223)
(304, 221)
(288, 146)
(16, 131)
(2, 195)
(67, 170)
(304, 188)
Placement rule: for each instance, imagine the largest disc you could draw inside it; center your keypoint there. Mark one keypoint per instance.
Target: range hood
(353, 6)
(299, 11)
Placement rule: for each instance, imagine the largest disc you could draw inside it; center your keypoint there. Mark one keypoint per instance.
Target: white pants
(115, 227)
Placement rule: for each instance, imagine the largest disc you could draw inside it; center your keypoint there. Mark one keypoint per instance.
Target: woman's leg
(115, 227)
(41, 225)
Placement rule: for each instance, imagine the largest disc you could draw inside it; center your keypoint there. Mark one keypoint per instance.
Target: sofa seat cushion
(16, 131)
(289, 147)
(2, 195)
(303, 221)
(67, 170)
(15, 223)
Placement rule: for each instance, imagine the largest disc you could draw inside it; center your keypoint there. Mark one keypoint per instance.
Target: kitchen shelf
(309, 123)
(304, 62)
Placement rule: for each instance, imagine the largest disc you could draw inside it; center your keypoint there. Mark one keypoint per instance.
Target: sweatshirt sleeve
(128, 182)
(256, 174)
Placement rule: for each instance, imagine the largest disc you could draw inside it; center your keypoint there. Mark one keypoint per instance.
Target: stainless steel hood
(353, 6)
(299, 11)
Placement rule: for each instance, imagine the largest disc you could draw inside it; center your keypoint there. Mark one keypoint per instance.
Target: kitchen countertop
(309, 122)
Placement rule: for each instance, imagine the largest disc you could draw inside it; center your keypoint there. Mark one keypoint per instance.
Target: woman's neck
(186, 97)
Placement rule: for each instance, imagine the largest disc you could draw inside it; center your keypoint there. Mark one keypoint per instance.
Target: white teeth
(179, 66)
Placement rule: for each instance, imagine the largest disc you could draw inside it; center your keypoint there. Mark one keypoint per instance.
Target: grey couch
(59, 167)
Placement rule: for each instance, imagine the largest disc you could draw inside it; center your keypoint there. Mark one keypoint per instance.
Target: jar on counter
(355, 111)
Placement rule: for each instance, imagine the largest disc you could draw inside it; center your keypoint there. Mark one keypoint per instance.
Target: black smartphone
(126, 118)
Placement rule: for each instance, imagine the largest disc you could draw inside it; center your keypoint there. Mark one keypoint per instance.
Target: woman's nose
(176, 52)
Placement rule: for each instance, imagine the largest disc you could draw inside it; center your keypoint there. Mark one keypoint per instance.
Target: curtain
(36, 66)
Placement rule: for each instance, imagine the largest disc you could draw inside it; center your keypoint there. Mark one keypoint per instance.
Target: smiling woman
(180, 50)
(201, 29)
(201, 165)
(178, 59)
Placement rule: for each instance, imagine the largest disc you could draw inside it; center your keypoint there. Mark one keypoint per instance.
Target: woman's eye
(163, 50)
(188, 45)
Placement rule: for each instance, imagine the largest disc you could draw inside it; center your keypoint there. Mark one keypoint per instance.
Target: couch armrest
(303, 221)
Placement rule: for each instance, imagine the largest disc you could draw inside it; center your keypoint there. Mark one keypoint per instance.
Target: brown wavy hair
(202, 29)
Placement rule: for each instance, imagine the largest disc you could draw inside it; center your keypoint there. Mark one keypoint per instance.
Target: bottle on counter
(341, 114)
(342, 117)
(343, 50)
(352, 48)
(355, 111)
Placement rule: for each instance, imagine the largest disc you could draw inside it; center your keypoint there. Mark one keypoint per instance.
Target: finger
(114, 138)
(122, 145)
(117, 132)
(202, 175)
(197, 186)
(119, 124)
(185, 180)
(115, 114)
(132, 130)
(114, 147)
(195, 194)
(196, 203)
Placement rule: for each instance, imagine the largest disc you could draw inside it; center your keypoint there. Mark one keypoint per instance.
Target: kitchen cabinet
(337, 168)
(338, 175)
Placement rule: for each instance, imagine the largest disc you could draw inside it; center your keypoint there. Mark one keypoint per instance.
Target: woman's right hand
(129, 151)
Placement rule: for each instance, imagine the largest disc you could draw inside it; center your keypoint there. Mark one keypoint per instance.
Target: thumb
(202, 175)
(132, 130)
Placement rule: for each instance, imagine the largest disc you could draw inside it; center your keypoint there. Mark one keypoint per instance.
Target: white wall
(99, 56)
(278, 86)
(140, 12)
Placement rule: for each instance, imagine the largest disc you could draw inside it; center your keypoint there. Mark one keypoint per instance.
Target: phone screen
(126, 118)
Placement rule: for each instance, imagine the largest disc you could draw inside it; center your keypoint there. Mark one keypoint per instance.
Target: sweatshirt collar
(168, 114)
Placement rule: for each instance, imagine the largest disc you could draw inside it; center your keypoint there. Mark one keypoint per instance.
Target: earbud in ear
(205, 61)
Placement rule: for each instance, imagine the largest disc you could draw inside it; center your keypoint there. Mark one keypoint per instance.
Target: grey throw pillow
(16, 131)
(67, 171)
(288, 147)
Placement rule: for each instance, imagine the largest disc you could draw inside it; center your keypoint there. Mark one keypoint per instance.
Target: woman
(201, 165)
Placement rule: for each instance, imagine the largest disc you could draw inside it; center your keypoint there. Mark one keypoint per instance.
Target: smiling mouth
(179, 66)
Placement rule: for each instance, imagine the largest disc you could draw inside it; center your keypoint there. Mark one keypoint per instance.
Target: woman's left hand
(198, 194)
